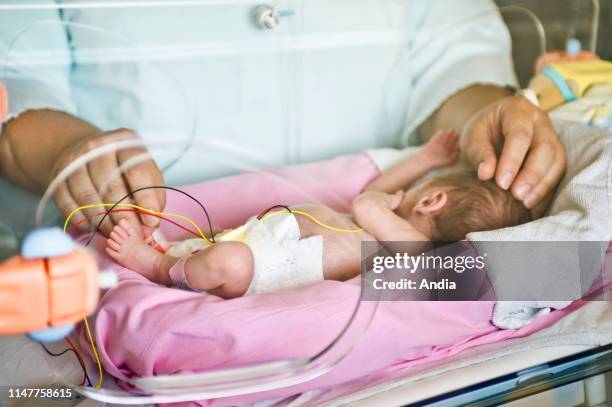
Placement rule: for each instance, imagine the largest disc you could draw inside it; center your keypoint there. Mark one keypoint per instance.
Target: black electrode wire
(55, 354)
(262, 214)
(63, 353)
(131, 193)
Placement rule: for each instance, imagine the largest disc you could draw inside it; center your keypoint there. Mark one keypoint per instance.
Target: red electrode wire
(81, 360)
(88, 218)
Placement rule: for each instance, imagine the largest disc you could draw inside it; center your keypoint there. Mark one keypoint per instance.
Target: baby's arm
(374, 211)
(441, 150)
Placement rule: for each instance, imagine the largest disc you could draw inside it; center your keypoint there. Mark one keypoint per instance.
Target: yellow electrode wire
(186, 219)
(315, 220)
(90, 336)
(95, 352)
(87, 329)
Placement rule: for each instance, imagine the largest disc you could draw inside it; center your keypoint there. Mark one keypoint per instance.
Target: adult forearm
(31, 144)
(460, 107)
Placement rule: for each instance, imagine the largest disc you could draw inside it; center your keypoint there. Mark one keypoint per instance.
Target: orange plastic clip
(37, 294)
(3, 103)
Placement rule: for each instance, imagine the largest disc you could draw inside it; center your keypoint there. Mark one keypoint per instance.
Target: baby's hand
(442, 149)
(366, 204)
(375, 213)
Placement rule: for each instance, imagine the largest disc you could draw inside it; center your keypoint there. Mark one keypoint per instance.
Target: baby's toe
(127, 227)
(120, 230)
(112, 253)
(113, 244)
(124, 223)
(114, 235)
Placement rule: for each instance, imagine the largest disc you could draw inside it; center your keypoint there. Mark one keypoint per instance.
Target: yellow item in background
(581, 75)
(561, 82)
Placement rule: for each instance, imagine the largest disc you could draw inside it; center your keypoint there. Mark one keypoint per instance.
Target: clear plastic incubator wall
(236, 102)
(258, 105)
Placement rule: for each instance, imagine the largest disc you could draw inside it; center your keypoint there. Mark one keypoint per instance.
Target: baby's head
(456, 202)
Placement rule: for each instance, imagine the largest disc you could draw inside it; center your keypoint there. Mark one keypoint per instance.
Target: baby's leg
(127, 248)
(341, 250)
(224, 269)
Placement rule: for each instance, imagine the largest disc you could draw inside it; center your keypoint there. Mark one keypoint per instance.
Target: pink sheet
(143, 329)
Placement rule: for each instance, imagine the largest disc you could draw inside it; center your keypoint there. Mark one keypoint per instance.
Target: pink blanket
(144, 329)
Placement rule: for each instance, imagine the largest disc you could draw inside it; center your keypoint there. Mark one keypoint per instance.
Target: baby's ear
(432, 202)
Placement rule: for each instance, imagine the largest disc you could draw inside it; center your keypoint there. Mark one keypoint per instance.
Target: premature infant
(288, 250)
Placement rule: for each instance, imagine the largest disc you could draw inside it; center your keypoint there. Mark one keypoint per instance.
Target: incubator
(214, 90)
(252, 109)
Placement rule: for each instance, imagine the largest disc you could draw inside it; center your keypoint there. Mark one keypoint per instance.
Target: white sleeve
(35, 60)
(454, 44)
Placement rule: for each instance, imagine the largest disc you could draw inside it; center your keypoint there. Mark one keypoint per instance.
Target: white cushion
(581, 212)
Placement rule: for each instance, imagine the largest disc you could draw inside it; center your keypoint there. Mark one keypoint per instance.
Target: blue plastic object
(560, 83)
(573, 46)
(51, 334)
(48, 242)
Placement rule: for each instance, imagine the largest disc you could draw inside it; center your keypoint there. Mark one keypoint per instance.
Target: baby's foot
(127, 248)
(442, 149)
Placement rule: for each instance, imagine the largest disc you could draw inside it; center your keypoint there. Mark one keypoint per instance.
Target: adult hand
(514, 141)
(101, 181)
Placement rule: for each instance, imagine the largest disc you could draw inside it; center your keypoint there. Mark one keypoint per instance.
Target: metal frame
(528, 382)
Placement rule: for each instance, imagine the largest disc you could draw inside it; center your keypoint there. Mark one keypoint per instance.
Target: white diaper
(282, 260)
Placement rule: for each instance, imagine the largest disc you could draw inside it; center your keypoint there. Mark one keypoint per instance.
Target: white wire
(245, 160)
(82, 160)
(195, 386)
(594, 25)
(536, 21)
